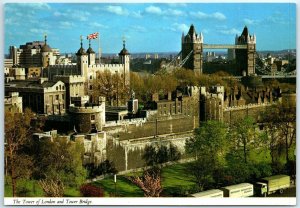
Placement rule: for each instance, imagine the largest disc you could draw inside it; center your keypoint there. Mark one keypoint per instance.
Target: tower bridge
(192, 45)
(248, 61)
(223, 46)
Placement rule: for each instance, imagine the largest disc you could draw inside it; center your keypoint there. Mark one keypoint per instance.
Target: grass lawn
(31, 188)
(174, 180)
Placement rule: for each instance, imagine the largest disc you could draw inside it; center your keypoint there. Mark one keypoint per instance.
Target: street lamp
(115, 181)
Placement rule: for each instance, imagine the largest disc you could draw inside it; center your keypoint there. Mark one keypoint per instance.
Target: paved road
(291, 192)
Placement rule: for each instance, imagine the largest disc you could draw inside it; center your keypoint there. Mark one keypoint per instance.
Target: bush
(88, 190)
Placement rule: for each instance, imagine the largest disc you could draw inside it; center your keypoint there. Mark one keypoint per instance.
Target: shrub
(88, 190)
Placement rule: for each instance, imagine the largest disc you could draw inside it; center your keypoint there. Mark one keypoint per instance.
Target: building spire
(45, 36)
(89, 42)
(124, 40)
(81, 41)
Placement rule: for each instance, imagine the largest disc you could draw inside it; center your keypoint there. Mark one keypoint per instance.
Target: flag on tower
(92, 36)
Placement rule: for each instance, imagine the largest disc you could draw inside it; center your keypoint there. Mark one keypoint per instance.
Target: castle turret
(91, 54)
(82, 61)
(124, 57)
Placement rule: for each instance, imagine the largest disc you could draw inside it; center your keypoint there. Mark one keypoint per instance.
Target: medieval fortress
(63, 94)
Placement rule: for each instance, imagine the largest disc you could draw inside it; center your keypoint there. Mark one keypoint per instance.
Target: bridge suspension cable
(185, 59)
(173, 61)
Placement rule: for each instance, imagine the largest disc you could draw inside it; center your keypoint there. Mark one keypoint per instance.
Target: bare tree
(52, 187)
(111, 86)
(150, 183)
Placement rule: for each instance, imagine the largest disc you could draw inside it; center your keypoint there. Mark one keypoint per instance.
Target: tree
(202, 169)
(88, 190)
(105, 167)
(52, 187)
(111, 86)
(209, 146)
(150, 182)
(244, 136)
(18, 131)
(280, 126)
(158, 155)
(210, 138)
(60, 159)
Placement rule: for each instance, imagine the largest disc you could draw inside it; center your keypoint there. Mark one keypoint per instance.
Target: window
(56, 97)
(93, 117)
(91, 77)
(91, 87)
(63, 97)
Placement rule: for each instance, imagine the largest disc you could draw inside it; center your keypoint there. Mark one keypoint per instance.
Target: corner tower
(47, 54)
(91, 54)
(82, 60)
(192, 48)
(246, 58)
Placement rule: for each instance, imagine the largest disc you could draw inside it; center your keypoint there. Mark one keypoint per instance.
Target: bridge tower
(192, 48)
(245, 59)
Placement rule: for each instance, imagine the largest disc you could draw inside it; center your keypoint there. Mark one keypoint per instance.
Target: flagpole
(99, 50)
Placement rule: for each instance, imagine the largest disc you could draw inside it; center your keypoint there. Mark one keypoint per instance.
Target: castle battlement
(62, 66)
(69, 78)
(250, 105)
(85, 109)
(136, 121)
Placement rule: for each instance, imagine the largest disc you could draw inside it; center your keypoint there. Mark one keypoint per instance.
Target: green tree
(60, 160)
(18, 131)
(210, 138)
(244, 136)
(202, 169)
(280, 126)
(209, 146)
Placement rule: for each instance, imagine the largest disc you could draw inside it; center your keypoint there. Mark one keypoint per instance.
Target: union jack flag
(92, 36)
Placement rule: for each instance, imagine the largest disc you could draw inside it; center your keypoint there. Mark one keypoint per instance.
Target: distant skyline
(148, 27)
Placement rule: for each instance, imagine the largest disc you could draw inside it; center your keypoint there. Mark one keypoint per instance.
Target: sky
(148, 27)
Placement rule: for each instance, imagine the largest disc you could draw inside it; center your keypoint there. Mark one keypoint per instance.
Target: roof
(245, 31)
(192, 30)
(237, 186)
(208, 192)
(30, 84)
(46, 48)
(81, 51)
(124, 51)
(275, 177)
(90, 50)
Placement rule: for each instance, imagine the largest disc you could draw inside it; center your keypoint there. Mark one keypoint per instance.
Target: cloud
(138, 28)
(72, 14)
(96, 24)
(168, 12)
(232, 31)
(38, 31)
(177, 4)
(154, 10)
(174, 12)
(202, 15)
(205, 31)
(177, 27)
(250, 21)
(137, 14)
(66, 25)
(118, 10)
